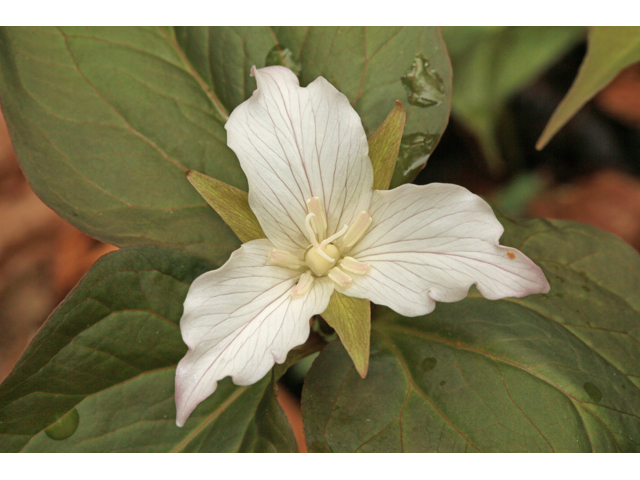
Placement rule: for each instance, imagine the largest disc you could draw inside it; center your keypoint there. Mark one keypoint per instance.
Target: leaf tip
(363, 369)
(542, 142)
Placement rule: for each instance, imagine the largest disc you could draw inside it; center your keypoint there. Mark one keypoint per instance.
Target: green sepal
(611, 49)
(231, 203)
(351, 319)
(384, 145)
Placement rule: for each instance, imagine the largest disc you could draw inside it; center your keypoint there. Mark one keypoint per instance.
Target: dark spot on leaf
(428, 364)
(593, 392)
(585, 288)
(442, 382)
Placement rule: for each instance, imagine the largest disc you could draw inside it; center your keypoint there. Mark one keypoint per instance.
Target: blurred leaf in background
(490, 65)
(610, 50)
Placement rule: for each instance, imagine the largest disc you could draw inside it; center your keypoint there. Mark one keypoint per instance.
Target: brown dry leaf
(292, 410)
(607, 199)
(621, 98)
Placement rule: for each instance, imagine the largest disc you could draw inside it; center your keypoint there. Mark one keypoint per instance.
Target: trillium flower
(305, 154)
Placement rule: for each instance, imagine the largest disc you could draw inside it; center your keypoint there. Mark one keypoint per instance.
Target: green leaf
(230, 203)
(491, 64)
(99, 376)
(368, 64)
(611, 49)
(105, 122)
(351, 319)
(223, 56)
(555, 372)
(384, 146)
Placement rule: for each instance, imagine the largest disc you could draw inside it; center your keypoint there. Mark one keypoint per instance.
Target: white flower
(304, 152)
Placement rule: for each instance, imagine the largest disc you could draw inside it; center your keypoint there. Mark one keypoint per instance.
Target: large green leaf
(105, 121)
(611, 49)
(555, 372)
(491, 64)
(100, 374)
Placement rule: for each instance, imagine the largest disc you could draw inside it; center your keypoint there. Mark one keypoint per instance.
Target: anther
(304, 284)
(341, 278)
(356, 231)
(285, 259)
(352, 265)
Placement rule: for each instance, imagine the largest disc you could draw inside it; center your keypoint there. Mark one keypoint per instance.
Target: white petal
(297, 143)
(239, 320)
(433, 242)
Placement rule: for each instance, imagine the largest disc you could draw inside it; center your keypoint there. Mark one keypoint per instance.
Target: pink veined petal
(431, 243)
(239, 320)
(296, 143)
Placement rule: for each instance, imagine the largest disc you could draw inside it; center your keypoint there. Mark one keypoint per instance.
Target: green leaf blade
(555, 372)
(106, 138)
(109, 352)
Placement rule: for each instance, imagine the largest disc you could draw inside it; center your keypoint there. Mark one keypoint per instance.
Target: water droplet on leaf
(65, 426)
(424, 86)
(593, 392)
(282, 56)
(415, 149)
(428, 364)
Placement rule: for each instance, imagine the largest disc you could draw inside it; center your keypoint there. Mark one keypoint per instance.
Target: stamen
(314, 206)
(356, 231)
(285, 259)
(334, 236)
(310, 231)
(352, 265)
(340, 277)
(304, 284)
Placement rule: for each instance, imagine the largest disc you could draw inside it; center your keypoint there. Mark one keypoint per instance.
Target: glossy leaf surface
(555, 372)
(99, 376)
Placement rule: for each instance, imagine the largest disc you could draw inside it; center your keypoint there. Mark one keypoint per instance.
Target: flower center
(318, 263)
(324, 257)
